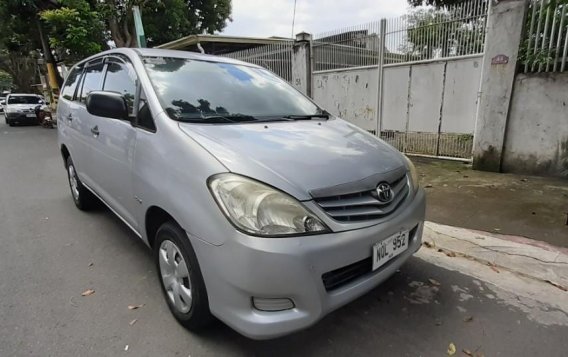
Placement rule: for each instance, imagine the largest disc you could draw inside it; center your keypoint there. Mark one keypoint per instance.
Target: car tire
(180, 278)
(83, 198)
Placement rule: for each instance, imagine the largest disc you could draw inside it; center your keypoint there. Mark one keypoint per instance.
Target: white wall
(536, 139)
(351, 95)
(414, 93)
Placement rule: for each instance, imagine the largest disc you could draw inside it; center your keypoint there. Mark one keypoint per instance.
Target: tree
(22, 33)
(436, 3)
(164, 20)
(435, 32)
(76, 30)
(5, 81)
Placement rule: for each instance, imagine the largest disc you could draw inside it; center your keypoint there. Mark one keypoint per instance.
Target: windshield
(198, 91)
(24, 99)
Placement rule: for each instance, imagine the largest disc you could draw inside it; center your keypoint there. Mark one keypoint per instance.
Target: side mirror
(107, 104)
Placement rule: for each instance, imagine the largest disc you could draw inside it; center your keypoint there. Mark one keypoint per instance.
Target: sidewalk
(527, 206)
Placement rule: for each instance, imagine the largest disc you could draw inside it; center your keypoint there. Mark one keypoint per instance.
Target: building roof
(220, 44)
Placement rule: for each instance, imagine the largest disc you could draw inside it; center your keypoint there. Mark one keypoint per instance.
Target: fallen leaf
(126, 348)
(494, 269)
(434, 282)
(496, 229)
(467, 352)
(427, 244)
(88, 292)
(132, 322)
(468, 319)
(563, 288)
(91, 264)
(428, 186)
(134, 307)
(451, 254)
(451, 349)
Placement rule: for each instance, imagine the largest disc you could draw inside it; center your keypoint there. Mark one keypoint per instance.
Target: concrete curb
(519, 255)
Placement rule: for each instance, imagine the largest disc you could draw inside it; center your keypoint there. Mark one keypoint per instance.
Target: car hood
(297, 157)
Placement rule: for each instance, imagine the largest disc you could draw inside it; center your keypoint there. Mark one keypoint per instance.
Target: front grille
(364, 206)
(339, 277)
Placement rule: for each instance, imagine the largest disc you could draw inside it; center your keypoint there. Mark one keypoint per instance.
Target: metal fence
(276, 57)
(436, 33)
(426, 33)
(545, 47)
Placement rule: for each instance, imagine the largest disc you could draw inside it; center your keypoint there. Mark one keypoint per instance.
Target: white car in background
(21, 108)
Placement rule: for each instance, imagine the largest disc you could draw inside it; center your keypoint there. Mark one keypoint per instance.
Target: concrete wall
(415, 96)
(536, 139)
(351, 95)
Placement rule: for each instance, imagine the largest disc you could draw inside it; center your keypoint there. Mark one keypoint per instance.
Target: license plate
(389, 248)
(31, 115)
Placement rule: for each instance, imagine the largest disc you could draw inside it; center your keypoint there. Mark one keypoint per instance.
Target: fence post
(302, 63)
(382, 37)
(505, 23)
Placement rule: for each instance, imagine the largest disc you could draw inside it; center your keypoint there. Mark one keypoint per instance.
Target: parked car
(261, 208)
(21, 108)
(2, 103)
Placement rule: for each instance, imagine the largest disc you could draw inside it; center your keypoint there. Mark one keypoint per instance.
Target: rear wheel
(180, 277)
(82, 197)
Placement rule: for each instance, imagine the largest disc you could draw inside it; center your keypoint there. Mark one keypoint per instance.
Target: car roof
(159, 52)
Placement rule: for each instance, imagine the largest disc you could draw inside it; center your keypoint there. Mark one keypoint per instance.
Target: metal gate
(412, 79)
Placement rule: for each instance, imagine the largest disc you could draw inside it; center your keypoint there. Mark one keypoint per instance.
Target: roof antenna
(293, 18)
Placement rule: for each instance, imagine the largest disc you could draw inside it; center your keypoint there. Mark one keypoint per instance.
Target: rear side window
(71, 84)
(92, 80)
(120, 80)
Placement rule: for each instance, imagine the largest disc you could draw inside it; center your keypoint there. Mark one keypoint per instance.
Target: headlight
(412, 172)
(262, 210)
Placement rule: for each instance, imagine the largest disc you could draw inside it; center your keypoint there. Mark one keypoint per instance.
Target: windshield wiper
(324, 115)
(220, 119)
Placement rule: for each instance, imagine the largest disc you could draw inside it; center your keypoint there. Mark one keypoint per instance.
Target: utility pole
(140, 37)
(54, 79)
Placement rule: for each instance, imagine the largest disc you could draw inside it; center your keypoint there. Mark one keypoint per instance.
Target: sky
(265, 18)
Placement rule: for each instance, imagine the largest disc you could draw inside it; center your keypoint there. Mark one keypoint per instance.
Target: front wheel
(83, 198)
(180, 277)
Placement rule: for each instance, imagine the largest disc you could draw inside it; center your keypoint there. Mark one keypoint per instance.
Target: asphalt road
(51, 252)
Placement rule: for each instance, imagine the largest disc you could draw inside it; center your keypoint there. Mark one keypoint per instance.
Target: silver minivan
(261, 208)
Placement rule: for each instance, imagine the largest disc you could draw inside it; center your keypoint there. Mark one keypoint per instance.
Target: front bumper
(21, 118)
(247, 267)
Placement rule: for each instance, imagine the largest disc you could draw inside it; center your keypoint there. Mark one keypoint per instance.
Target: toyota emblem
(384, 192)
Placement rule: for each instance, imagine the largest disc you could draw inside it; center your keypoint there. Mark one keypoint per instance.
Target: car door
(82, 122)
(65, 108)
(114, 143)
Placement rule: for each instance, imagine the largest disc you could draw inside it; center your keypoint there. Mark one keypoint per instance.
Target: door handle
(95, 130)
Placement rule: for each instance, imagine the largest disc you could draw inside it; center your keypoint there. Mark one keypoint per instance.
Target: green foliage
(532, 51)
(437, 3)
(439, 32)
(75, 31)
(5, 81)
(164, 20)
